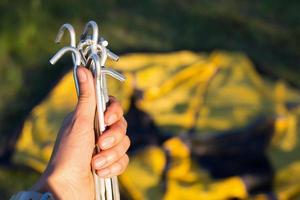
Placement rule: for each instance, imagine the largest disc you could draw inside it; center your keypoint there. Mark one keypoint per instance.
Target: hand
(68, 174)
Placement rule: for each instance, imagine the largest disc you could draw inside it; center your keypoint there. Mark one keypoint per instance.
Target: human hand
(68, 174)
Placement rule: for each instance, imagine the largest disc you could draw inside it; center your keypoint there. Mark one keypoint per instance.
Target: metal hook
(61, 32)
(113, 73)
(77, 62)
(62, 51)
(58, 38)
(95, 33)
(103, 57)
(110, 54)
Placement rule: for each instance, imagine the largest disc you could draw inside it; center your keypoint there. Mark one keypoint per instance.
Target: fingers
(86, 101)
(114, 112)
(113, 160)
(115, 169)
(106, 158)
(114, 135)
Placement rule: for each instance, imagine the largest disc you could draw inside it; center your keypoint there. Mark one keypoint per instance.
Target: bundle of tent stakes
(92, 52)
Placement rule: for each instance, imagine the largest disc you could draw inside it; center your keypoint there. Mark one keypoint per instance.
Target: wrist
(44, 184)
(57, 185)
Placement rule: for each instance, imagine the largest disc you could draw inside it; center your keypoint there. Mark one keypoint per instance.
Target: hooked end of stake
(116, 58)
(59, 36)
(57, 41)
(123, 79)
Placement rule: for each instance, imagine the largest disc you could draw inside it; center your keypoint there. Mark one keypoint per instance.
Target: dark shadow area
(237, 153)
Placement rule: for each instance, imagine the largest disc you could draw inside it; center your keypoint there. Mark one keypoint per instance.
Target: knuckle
(117, 168)
(120, 151)
(121, 110)
(120, 131)
(126, 142)
(124, 121)
(123, 147)
(124, 162)
(117, 106)
(117, 130)
(85, 91)
(84, 97)
(122, 126)
(126, 158)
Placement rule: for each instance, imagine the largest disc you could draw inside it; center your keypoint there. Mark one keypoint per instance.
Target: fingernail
(100, 162)
(81, 75)
(111, 119)
(107, 142)
(103, 173)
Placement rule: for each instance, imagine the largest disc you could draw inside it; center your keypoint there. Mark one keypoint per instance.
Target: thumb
(77, 132)
(86, 100)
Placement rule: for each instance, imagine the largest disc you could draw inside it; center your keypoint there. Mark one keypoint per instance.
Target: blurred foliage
(268, 31)
(193, 95)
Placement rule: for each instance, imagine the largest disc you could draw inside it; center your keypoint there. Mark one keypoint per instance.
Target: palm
(79, 177)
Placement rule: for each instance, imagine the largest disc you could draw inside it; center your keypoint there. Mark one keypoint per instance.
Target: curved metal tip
(62, 51)
(103, 42)
(61, 32)
(114, 74)
(91, 24)
(52, 61)
(112, 55)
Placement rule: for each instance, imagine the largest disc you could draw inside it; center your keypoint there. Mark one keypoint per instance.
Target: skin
(68, 174)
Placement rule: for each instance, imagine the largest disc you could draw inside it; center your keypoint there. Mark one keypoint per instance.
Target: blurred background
(222, 75)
